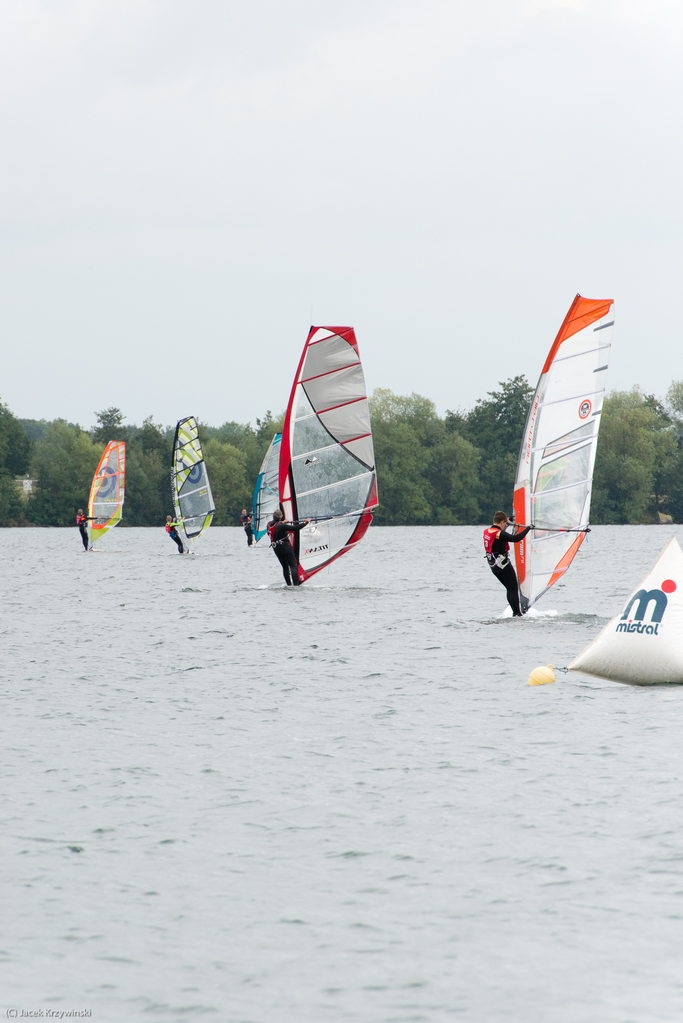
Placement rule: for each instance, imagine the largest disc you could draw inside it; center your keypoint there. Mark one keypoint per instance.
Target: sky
(188, 185)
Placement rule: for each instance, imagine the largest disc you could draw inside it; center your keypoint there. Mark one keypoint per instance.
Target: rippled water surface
(230, 801)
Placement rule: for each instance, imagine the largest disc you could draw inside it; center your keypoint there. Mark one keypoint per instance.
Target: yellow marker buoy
(542, 675)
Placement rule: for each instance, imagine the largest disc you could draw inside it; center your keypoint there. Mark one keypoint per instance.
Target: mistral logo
(640, 603)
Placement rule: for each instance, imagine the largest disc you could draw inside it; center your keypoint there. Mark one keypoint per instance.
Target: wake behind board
(531, 613)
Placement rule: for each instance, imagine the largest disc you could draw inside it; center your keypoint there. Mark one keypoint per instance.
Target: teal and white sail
(266, 493)
(192, 497)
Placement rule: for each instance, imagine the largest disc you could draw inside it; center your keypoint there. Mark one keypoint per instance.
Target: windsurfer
(279, 531)
(245, 520)
(172, 530)
(497, 540)
(82, 523)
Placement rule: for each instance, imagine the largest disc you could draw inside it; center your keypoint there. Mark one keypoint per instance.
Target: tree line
(452, 470)
(461, 468)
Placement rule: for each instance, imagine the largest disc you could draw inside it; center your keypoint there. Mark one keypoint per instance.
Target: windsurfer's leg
(509, 580)
(179, 544)
(84, 537)
(282, 558)
(293, 567)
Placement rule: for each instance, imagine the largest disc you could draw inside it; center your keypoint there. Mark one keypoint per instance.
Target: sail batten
(192, 498)
(330, 486)
(587, 351)
(557, 455)
(329, 372)
(334, 484)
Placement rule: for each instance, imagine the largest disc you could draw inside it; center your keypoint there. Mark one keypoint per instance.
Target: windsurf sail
(266, 491)
(108, 490)
(327, 461)
(192, 497)
(555, 468)
(643, 645)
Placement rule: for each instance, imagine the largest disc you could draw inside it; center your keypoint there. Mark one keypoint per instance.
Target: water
(230, 801)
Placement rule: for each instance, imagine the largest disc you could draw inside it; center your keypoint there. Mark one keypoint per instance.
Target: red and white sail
(327, 461)
(555, 468)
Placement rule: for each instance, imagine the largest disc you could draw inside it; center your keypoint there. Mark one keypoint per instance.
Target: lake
(227, 800)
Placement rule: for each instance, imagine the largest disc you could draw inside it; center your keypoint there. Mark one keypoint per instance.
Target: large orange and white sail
(557, 456)
(327, 463)
(108, 490)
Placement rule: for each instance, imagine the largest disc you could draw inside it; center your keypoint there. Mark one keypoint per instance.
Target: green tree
(495, 427)
(153, 437)
(63, 464)
(674, 401)
(626, 460)
(226, 468)
(253, 445)
(12, 508)
(148, 488)
(15, 444)
(110, 425)
(148, 471)
(412, 410)
(670, 481)
(452, 472)
(497, 423)
(405, 429)
(405, 494)
(12, 462)
(15, 451)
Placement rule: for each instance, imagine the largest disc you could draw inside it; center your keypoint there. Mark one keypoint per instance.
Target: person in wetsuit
(172, 530)
(82, 523)
(279, 531)
(245, 520)
(497, 540)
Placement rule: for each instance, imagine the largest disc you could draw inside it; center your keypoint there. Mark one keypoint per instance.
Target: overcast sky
(187, 185)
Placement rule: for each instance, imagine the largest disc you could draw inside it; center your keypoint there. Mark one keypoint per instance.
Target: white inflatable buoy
(643, 645)
(542, 675)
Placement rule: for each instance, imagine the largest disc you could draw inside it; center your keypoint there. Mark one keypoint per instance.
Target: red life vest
(491, 534)
(170, 526)
(80, 519)
(270, 529)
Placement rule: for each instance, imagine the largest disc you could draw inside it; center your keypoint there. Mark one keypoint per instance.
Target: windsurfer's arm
(294, 527)
(514, 537)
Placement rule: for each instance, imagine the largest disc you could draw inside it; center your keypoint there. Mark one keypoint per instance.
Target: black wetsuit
(175, 536)
(284, 551)
(245, 520)
(82, 523)
(499, 562)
